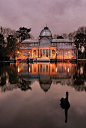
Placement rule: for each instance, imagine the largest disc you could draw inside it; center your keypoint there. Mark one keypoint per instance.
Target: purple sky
(61, 16)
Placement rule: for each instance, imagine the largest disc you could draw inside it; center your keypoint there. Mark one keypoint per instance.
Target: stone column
(48, 52)
(32, 53)
(39, 52)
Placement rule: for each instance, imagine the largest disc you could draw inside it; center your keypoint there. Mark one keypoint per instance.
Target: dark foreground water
(30, 95)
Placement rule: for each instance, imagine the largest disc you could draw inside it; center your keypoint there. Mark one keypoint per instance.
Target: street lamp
(18, 52)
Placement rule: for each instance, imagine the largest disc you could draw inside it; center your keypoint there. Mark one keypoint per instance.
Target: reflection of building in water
(22, 75)
(59, 73)
(45, 82)
(59, 70)
(81, 70)
(46, 73)
(43, 69)
(47, 49)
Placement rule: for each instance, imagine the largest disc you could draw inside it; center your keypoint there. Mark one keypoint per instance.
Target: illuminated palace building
(48, 49)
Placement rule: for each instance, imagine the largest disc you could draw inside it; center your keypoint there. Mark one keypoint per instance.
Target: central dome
(46, 32)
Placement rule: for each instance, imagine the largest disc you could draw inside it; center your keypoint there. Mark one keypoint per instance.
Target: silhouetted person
(65, 105)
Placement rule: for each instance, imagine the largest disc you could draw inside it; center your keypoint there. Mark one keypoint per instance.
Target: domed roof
(45, 87)
(45, 82)
(45, 32)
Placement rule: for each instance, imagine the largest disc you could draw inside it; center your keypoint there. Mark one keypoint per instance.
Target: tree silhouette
(2, 44)
(13, 47)
(23, 33)
(80, 40)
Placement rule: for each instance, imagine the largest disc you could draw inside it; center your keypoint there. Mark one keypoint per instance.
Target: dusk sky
(61, 16)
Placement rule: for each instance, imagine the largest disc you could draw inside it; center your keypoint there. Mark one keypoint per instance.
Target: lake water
(30, 95)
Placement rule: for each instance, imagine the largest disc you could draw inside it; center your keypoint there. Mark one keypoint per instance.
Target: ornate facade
(48, 49)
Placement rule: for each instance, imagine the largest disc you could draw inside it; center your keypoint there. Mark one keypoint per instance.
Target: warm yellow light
(17, 51)
(68, 51)
(18, 70)
(56, 69)
(29, 69)
(65, 68)
(29, 52)
(68, 70)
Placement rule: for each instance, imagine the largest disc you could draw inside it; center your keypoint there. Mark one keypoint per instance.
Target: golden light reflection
(17, 51)
(46, 68)
(19, 69)
(29, 69)
(68, 70)
(56, 69)
(69, 57)
(52, 69)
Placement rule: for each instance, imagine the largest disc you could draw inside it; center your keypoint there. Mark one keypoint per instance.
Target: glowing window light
(68, 70)
(65, 68)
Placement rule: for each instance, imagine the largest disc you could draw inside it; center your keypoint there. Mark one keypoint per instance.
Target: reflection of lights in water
(85, 83)
(29, 69)
(56, 69)
(18, 69)
(81, 70)
(52, 69)
(7, 80)
(68, 70)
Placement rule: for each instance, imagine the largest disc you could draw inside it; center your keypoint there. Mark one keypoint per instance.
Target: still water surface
(34, 95)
